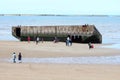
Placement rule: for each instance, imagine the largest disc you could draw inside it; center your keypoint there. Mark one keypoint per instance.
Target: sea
(108, 26)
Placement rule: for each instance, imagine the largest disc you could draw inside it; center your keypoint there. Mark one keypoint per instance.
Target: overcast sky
(79, 7)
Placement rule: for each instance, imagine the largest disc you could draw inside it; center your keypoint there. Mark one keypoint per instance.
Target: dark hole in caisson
(18, 32)
(76, 39)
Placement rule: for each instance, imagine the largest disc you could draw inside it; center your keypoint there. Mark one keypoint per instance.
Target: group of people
(19, 57)
(68, 41)
(37, 39)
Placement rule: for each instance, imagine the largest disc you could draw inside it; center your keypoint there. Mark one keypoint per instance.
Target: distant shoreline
(57, 15)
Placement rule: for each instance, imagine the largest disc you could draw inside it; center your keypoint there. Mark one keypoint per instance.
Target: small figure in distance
(14, 57)
(55, 39)
(37, 40)
(20, 57)
(28, 38)
(68, 41)
(90, 45)
(41, 39)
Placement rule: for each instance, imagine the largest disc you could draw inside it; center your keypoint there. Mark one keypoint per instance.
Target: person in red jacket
(28, 39)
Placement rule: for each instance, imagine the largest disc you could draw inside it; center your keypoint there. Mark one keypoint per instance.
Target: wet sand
(42, 71)
(50, 49)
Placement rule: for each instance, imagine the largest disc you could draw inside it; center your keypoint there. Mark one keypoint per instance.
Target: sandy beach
(47, 71)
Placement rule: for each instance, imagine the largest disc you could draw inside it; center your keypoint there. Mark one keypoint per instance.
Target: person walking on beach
(55, 39)
(37, 40)
(14, 57)
(68, 41)
(28, 39)
(90, 45)
(19, 57)
(42, 40)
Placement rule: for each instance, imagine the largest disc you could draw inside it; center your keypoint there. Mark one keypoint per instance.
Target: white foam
(74, 60)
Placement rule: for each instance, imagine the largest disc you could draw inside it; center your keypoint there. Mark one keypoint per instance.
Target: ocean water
(72, 60)
(109, 26)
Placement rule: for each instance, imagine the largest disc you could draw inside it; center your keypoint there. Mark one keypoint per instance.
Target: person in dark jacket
(20, 57)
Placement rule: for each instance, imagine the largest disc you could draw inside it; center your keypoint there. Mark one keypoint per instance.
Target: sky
(66, 7)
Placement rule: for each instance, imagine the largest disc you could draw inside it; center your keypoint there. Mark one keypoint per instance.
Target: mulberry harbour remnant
(78, 33)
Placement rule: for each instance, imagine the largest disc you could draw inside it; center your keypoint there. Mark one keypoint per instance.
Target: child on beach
(14, 57)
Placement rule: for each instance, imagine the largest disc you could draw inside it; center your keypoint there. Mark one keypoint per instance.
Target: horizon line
(57, 15)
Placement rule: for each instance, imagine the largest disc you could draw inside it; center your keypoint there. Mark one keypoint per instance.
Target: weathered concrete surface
(78, 33)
